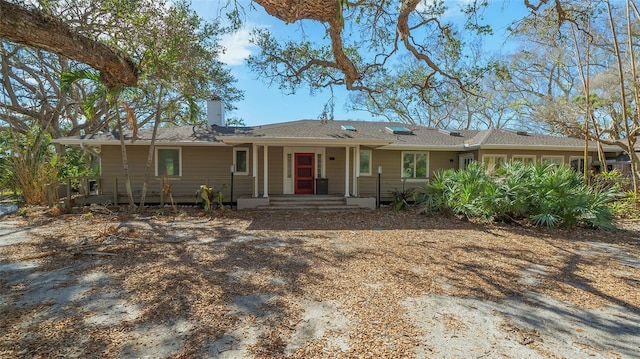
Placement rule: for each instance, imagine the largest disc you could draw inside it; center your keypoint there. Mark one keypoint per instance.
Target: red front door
(303, 179)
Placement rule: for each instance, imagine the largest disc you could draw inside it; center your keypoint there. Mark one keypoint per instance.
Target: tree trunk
(152, 145)
(125, 164)
(36, 29)
(328, 12)
(631, 139)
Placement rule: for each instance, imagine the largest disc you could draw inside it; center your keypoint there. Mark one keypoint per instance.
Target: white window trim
(415, 179)
(370, 162)
(463, 157)
(179, 159)
(235, 165)
(533, 157)
(542, 159)
(587, 164)
(504, 157)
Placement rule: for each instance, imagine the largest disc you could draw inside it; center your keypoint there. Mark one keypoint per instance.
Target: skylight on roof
(348, 128)
(399, 130)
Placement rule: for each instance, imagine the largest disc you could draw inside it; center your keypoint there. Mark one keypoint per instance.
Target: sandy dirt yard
(367, 284)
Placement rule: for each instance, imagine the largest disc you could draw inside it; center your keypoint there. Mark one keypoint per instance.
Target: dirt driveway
(313, 285)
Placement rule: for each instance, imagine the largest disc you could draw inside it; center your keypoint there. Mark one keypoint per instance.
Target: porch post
(255, 169)
(356, 169)
(346, 171)
(265, 172)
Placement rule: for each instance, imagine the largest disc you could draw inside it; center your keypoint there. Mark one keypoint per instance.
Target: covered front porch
(306, 170)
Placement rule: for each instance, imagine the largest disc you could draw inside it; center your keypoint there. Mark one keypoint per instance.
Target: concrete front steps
(314, 202)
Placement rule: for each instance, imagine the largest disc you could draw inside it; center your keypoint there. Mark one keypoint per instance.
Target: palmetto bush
(543, 194)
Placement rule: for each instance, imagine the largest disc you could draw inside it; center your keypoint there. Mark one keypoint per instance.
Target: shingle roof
(308, 131)
(314, 129)
(508, 137)
(165, 134)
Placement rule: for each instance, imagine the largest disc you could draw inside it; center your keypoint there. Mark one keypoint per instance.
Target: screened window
(526, 159)
(553, 160)
(577, 163)
(493, 161)
(365, 162)
(168, 162)
(415, 165)
(241, 161)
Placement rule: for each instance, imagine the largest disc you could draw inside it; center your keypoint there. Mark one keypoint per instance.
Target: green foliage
(74, 164)
(210, 195)
(628, 206)
(543, 194)
(234, 122)
(30, 165)
(401, 198)
(175, 50)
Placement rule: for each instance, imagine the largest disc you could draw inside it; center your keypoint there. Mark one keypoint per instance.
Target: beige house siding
(200, 165)
(242, 184)
(276, 169)
(335, 162)
(210, 165)
(442, 160)
(391, 178)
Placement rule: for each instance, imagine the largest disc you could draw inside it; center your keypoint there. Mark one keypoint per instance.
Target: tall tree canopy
(399, 57)
(35, 28)
(175, 52)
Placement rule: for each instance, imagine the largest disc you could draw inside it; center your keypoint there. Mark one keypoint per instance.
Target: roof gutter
(423, 148)
(538, 147)
(81, 143)
(305, 141)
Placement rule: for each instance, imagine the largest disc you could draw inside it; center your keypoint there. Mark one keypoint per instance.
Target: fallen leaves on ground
(189, 266)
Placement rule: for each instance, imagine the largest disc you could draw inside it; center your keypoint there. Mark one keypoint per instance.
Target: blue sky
(263, 104)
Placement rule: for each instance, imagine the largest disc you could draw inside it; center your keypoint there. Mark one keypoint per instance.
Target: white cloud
(236, 48)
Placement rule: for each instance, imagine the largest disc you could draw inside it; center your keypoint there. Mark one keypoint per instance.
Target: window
(289, 165)
(168, 161)
(365, 162)
(241, 161)
(526, 159)
(415, 165)
(465, 160)
(553, 160)
(493, 161)
(577, 163)
(319, 165)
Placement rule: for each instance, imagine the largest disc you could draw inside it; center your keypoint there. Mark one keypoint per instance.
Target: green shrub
(401, 198)
(543, 194)
(433, 197)
(627, 206)
(30, 166)
(210, 196)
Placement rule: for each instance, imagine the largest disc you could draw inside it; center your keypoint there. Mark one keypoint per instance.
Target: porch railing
(112, 189)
